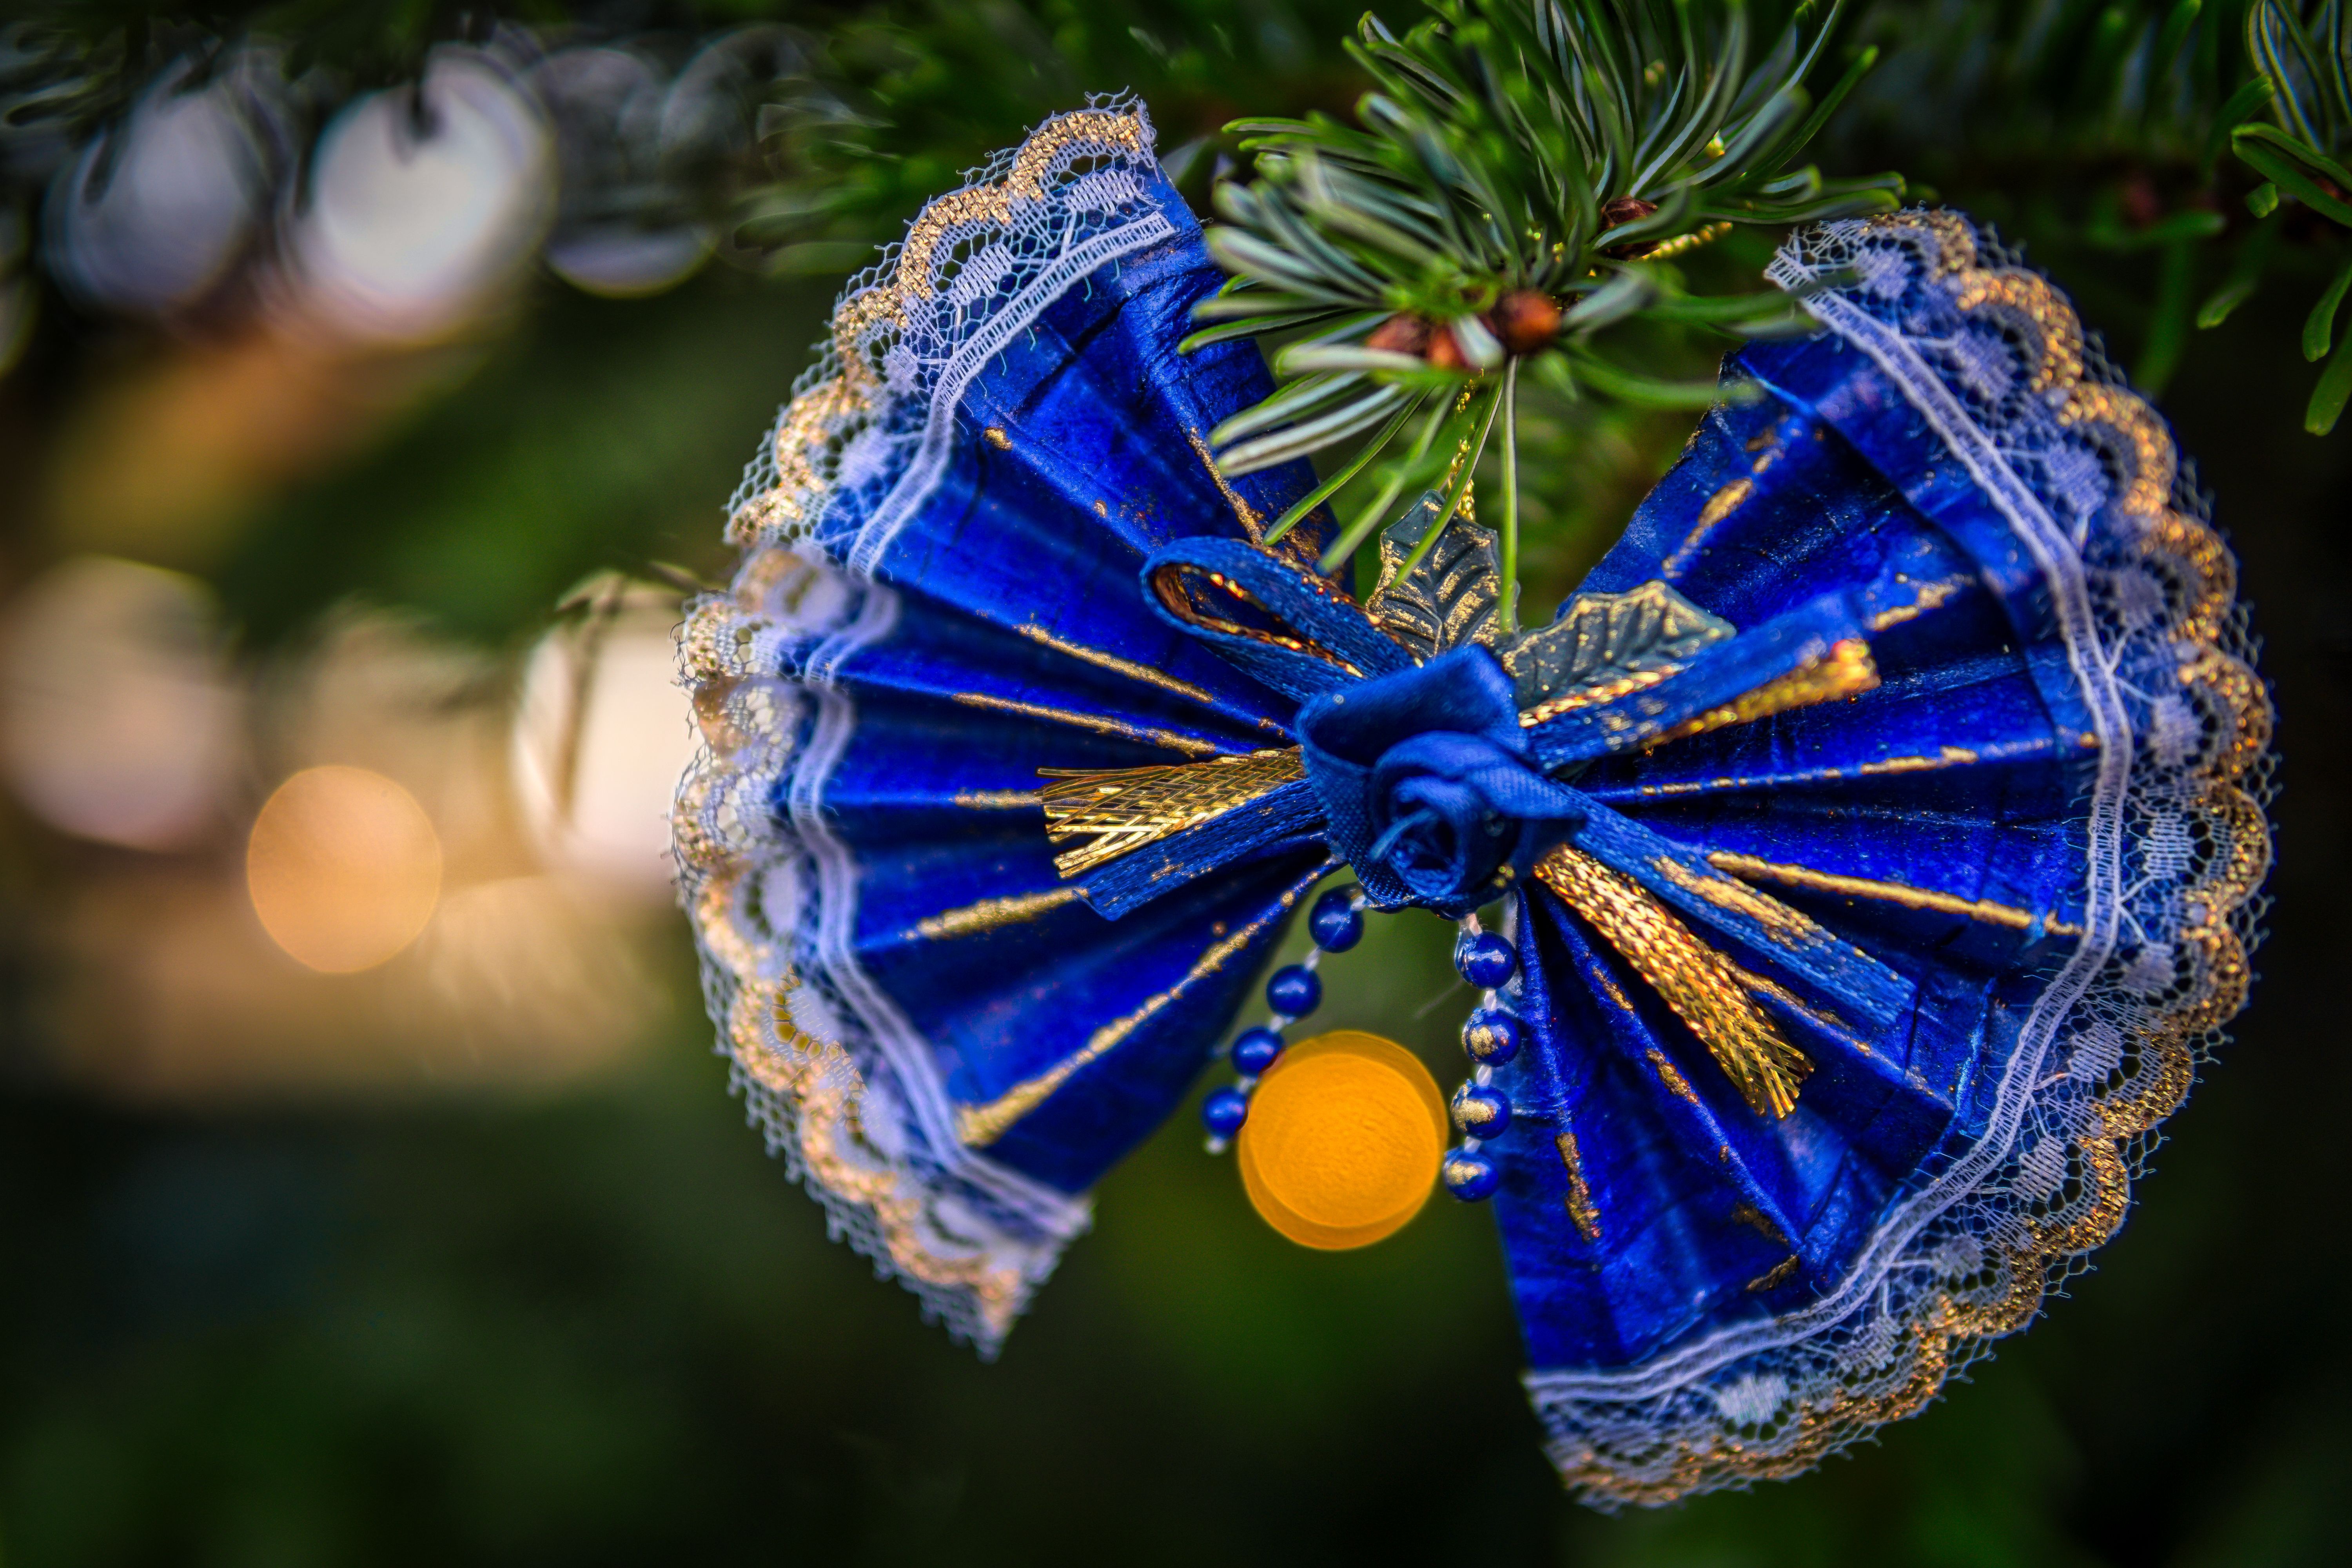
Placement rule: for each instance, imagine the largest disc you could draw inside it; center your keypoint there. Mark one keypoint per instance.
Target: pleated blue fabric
(1862, 940)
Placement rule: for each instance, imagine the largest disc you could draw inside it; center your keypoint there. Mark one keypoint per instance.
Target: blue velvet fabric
(1077, 513)
(1076, 452)
(1701, 1201)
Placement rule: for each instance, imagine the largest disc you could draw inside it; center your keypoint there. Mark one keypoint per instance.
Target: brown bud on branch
(1618, 211)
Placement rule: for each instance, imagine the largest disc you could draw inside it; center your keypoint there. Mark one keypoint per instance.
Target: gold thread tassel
(1707, 991)
(1118, 810)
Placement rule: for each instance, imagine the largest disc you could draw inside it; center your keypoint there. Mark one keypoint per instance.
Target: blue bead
(1337, 925)
(1470, 1176)
(1491, 1036)
(1485, 960)
(1255, 1050)
(1480, 1112)
(1294, 992)
(1224, 1112)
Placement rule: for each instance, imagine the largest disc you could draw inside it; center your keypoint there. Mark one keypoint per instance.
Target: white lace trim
(846, 1088)
(1966, 1257)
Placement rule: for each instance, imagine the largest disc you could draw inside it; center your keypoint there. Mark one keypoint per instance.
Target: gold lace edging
(2156, 1066)
(806, 448)
(746, 711)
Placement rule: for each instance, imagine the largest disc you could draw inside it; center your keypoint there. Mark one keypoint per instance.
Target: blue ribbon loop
(1428, 786)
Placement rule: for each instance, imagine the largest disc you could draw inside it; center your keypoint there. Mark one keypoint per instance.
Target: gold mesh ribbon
(1709, 993)
(1111, 812)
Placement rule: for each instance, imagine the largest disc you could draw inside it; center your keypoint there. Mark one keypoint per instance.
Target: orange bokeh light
(1343, 1140)
(345, 868)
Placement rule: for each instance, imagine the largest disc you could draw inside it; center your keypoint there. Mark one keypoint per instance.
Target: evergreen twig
(1521, 179)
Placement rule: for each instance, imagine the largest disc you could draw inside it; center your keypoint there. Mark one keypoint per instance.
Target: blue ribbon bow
(1423, 779)
(1427, 783)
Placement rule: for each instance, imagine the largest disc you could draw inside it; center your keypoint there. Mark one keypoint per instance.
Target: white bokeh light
(153, 214)
(609, 106)
(424, 206)
(602, 736)
(118, 718)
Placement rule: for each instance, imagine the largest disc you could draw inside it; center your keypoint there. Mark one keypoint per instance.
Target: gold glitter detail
(1115, 665)
(991, 914)
(1956, 247)
(2024, 296)
(1790, 928)
(1908, 897)
(1596, 695)
(981, 1125)
(1611, 989)
(801, 437)
(1945, 757)
(727, 669)
(998, 799)
(1671, 1076)
(827, 1092)
(1251, 523)
(1024, 182)
(1777, 1276)
(1949, 757)
(1181, 588)
(2162, 1065)
(2153, 461)
(1705, 989)
(2225, 683)
(2234, 821)
(998, 438)
(855, 319)
(1748, 1214)
(1119, 810)
(1817, 1429)
(1719, 505)
(975, 206)
(1095, 722)
(1581, 1214)
(2199, 564)
(1929, 596)
(1846, 670)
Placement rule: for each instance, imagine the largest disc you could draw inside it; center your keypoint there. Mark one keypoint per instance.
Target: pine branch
(1520, 181)
(2305, 61)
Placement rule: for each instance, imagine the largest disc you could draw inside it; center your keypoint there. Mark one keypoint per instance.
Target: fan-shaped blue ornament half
(1876, 824)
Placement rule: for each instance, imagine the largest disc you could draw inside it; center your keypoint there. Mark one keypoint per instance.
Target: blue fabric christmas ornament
(1876, 824)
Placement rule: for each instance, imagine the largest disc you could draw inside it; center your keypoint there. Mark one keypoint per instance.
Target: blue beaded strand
(1484, 959)
(1255, 1050)
(1481, 1111)
(1224, 1111)
(1470, 1176)
(1336, 921)
(1490, 1037)
(1295, 990)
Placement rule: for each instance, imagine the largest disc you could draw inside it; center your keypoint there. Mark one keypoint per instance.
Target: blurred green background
(437, 1310)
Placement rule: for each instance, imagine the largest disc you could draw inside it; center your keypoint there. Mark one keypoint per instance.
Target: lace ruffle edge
(2178, 845)
(839, 1082)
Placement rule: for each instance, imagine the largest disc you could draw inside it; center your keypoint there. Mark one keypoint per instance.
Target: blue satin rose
(1427, 785)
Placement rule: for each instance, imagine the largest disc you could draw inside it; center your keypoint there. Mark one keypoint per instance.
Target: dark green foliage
(2307, 62)
(898, 99)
